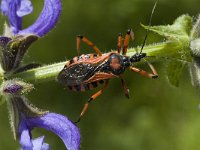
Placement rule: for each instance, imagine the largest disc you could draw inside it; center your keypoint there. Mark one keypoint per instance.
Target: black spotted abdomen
(75, 74)
(85, 86)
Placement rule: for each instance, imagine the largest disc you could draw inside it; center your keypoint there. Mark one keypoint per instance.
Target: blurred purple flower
(16, 9)
(56, 123)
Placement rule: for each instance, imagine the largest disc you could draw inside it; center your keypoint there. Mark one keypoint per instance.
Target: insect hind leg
(125, 87)
(92, 98)
(88, 42)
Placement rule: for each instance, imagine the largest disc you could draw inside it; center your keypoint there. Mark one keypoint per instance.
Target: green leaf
(174, 71)
(179, 30)
(179, 33)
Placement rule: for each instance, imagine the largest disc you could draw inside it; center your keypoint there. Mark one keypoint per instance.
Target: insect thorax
(118, 63)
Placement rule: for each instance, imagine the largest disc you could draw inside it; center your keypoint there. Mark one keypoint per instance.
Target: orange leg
(88, 42)
(93, 97)
(119, 43)
(129, 34)
(125, 87)
(152, 75)
(78, 42)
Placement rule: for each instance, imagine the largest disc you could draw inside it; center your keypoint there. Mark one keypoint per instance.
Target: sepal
(18, 105)
(12, 50)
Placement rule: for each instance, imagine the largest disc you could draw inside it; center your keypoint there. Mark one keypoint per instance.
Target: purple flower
(16, 9)
(56, 123)
(24, 117)
(13, 48)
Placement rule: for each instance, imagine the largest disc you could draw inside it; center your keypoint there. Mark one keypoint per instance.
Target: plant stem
(44, 73)
(50, 72)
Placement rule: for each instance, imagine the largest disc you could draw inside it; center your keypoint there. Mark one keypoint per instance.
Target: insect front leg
(93, 97)
(152, 75)
(88, 42)
(129, 35)
(119, 42)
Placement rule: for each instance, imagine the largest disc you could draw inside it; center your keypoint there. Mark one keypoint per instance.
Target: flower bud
(15, 86)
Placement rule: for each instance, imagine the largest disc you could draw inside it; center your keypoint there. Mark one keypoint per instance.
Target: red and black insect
(86, 71)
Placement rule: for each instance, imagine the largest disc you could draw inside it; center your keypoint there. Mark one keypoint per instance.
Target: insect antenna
(147, 31)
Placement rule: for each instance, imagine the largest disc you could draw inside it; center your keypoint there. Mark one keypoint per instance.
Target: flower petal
(9, 8)
(15, 10)
(25, 137)
(47, 19)
(25, 8)
(38, 144)
(61, 126)
(4, 6)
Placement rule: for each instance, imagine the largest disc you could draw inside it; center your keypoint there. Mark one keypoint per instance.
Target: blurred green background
(157, 116)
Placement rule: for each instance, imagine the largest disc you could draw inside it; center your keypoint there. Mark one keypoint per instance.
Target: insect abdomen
(85, 87)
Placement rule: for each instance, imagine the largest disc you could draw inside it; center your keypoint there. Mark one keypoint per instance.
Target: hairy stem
(40, 74)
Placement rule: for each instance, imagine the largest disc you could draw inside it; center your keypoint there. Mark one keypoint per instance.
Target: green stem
(44, 73)
(50, 72)
(165, 49)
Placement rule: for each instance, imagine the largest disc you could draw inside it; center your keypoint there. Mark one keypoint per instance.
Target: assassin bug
(86, 71)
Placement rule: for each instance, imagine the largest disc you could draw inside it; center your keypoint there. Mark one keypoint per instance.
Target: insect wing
(75, 74)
